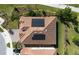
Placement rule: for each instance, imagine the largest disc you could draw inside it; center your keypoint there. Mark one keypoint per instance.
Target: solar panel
(38, 37)
(37, 22)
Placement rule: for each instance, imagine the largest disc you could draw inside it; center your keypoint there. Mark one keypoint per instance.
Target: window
(37, 22)
(38, 37)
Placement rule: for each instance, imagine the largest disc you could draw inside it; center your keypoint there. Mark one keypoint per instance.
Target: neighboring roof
(26, 22)
(31, 51)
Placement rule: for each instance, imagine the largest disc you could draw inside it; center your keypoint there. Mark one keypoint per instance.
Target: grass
(8, 9)
(72, 49)
(13, 24)
(61, 38)
(69, 49)
(15, 45)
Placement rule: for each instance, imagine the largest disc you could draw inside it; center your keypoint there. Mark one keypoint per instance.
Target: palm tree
(66, 16)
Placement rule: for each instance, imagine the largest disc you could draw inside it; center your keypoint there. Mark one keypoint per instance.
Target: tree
(44, 13)
(32, 13)
(38, 13)
(77, 28)
(66, 15)
(76, 41)
(15, 15)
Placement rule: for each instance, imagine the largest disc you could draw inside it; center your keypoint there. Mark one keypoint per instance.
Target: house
(37, 31)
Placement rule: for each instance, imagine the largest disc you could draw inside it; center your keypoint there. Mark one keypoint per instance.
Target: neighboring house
(37, 31)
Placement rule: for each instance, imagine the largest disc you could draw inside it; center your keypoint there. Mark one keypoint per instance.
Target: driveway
(15, 35)
(2, 45)
(4, 39)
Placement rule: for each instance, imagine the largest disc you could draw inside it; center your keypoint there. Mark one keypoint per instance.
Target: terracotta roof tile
(30, 51)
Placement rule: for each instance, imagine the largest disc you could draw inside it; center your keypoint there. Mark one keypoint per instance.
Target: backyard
(61, 38)
(10, 9)
(66, 38)
(73, 35)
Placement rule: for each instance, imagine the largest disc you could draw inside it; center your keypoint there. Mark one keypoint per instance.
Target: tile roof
(26, 22)
(31, 51)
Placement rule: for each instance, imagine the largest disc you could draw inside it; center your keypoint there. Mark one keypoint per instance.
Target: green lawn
(72, 35)
(8, 9)
(71, 49)
(61, 38)
(13, 24)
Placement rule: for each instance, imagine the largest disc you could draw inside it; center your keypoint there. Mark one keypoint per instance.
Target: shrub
(44, 13)
(16, 50)
(8, 45)
(76, 41)
(77, 28)
(31, 13)
(15, 15)
(15, 45)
